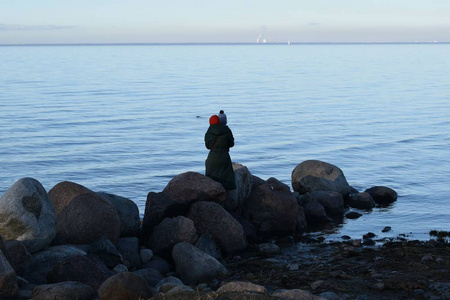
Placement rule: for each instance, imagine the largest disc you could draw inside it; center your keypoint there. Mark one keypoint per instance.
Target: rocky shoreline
(197, 241)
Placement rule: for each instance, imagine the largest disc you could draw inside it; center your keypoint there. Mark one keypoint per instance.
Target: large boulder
(125, 285)
(68, 290)
(190, 187)
(86, 269)
(332, 202)
(35, 270)
(128, 213)
(170, 232)
(8, 280)
(64, 192)
(244, 186)
(85, 219)
(314, 175)
(158, 207)
(210, 217)
(272, 208)
(27, 215)
(193, 265)
(382, 194)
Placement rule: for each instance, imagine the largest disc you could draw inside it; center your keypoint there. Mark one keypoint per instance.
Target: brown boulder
(125, 285)
(314, 175)
(64, 192)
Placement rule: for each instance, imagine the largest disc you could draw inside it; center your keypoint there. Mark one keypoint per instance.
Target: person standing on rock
(219, 139)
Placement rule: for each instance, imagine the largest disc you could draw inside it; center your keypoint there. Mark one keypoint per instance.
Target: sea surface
(126, 119)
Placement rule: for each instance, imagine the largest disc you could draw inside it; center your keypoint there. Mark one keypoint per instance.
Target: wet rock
(190, 187)
(27, 214)
(382, 194)
(386, 229)
(272, 208)
(106, 251)
(362, 201)
(125, 286)
(332, 202)
(69, 290)
(227, 232)
(193, 265)
(353, 215)
(128, 214)
(239, 286)
(314, 175)
(170, 232)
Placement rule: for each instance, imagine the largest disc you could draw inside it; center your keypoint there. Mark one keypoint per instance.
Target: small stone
(317, 284)
(268, 248)
(427, 257)
(379, 286)
(120, 268)
(386, 229)
(146, 255)
(345, 237)
(293, 266)
(369, 235)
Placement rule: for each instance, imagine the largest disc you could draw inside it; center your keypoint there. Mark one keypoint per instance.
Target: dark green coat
(219, 139)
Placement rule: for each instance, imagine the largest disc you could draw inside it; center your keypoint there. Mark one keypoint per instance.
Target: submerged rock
(382, 194)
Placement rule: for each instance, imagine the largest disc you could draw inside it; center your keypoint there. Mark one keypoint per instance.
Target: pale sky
(206, 21)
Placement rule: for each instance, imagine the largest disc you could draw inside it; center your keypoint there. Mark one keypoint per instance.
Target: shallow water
(126, 119)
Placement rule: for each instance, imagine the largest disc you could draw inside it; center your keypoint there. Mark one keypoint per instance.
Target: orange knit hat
(214, 120)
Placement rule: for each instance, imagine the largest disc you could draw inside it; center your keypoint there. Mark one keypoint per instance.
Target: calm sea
(127, 118)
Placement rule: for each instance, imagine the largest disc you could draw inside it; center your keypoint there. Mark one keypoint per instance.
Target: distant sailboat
(289, 43)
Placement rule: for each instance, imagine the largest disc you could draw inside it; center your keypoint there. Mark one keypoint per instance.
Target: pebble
(427, 257)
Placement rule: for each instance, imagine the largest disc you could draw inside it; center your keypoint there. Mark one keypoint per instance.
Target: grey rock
(296, 294)
(69, 290)
(244, 186)
(35, 270)
(170, 232)
(145, 255)
(206, 244)
(106, 251)
(193, 265)
(179, 289)
(272, 208)
(128, 247)
(152, 276)
(170, 279)
(314, 175)
(314, 211)
(332, 202)
(190, 187)
(9, 287)
(128, 214)
(120, 268)
(17, 254)
(268, 249)
(157, 263)
(361, 200)
(241, 286)
(27, 214)
(227, 232)
(382, 194)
